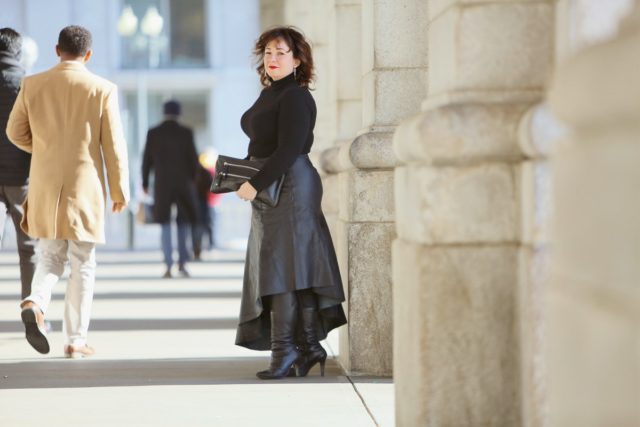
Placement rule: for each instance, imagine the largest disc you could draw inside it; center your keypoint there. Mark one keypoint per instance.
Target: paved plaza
(165, 357)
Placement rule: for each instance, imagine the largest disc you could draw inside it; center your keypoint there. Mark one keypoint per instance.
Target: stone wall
(462, 263)
(593, 299)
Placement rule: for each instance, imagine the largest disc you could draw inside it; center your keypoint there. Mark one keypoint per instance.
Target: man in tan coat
(68, 118)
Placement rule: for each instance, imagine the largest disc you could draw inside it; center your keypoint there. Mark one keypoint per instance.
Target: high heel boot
(284, 353)
(312, 351)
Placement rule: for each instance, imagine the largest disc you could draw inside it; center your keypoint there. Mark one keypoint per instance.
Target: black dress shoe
(35, 331)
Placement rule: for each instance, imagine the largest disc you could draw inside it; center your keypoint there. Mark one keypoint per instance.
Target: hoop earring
(294, 72)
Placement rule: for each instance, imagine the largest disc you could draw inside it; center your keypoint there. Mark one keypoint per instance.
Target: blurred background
(195, 51)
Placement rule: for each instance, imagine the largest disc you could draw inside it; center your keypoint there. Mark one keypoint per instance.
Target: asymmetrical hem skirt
(290, 249)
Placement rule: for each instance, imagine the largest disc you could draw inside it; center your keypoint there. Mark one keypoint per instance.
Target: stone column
(458, 201)
(394, 82)
(538, 132)
(345, 86)
(593, 313)
(271, 13)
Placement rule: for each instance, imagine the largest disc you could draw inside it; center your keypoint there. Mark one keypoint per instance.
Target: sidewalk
(165, 357)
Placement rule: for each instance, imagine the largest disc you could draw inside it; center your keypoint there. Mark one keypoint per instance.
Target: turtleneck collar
(284, 82)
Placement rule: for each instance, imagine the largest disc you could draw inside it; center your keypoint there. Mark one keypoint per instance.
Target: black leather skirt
(290, 249)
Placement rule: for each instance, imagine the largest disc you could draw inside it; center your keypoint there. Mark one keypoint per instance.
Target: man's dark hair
(74, 40)
(11, 42)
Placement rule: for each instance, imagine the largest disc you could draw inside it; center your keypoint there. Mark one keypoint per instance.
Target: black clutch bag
(231, 173)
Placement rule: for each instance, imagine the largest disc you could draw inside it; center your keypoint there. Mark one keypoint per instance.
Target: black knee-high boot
(284, 353)
(312, 351)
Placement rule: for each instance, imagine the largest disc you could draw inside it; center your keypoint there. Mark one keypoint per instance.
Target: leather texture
(312, 351)
(35, 330)
(284, 353)
(231, 173)
(289, 249)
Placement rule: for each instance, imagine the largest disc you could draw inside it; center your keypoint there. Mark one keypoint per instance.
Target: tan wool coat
(68, 118)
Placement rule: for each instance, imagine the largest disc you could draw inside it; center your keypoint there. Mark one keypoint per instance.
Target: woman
(292, 289)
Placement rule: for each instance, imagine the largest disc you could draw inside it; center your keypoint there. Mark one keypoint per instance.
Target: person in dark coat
(14, 163)
(170, 152)
(292, 291)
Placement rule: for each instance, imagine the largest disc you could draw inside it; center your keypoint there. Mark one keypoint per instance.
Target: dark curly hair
(300, 47)
(75, 40)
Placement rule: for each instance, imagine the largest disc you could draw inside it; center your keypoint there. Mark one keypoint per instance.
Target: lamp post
(151, 28)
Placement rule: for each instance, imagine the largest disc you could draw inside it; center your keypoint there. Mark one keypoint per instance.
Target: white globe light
(152, 22)
(128, 22)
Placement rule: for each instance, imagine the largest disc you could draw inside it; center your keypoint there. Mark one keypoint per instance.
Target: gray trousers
(11, 199)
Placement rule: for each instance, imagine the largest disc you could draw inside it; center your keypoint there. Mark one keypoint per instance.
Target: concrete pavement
(165, 357)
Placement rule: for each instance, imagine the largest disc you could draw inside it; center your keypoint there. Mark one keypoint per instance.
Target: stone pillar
(538, 131)
(393, 84)
(345, 86)
(458, 197)
(271, 13)
(593, 313)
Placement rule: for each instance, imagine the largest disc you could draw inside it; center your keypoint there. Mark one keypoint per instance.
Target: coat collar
(71, 65)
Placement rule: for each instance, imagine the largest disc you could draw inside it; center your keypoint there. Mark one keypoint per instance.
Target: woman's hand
(247, 192)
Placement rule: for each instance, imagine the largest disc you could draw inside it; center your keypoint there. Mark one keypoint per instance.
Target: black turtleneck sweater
(280, 126)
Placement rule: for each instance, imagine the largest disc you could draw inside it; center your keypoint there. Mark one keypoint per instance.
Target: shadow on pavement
(142, 295)
(196, 278)
(137, 324)
(149, 262)
(67, 373)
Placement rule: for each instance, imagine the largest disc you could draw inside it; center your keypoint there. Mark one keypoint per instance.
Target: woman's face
(278, 59)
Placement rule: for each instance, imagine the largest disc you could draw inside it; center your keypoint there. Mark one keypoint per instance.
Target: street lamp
(152, 22)
(150, 28)
(128, 22)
